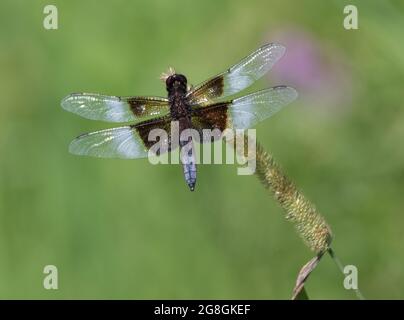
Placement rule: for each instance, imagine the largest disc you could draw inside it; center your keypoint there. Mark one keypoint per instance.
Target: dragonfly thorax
(177, 88)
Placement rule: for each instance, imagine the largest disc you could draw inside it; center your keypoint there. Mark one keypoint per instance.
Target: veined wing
(114, 108)
(247, 111)
(238, 77)
(133, 141)
(127, 142)
(244, 112)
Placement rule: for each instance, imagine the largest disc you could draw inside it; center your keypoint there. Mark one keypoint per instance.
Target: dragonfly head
(176, 82)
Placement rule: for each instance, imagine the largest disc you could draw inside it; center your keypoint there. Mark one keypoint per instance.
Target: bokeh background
(131, 230)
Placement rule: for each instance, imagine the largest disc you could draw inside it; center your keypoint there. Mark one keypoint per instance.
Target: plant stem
(340, 266)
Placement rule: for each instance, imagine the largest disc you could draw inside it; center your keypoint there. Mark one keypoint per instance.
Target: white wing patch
(247, 111)
(120, 142)
(98, 107)
(252, 68)
(114, 109)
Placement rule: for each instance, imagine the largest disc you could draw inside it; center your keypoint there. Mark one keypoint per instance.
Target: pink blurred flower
(318, 73)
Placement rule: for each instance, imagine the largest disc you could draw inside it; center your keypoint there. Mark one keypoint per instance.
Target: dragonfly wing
(120, 142)
(114, 108)
(128, 142)
(241, 113)
(238, 77)
(247, 111)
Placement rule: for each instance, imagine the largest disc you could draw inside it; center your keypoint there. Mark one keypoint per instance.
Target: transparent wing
(247, 111)
(115, 109)
(123, 142)
(238, 77)
(241, 113)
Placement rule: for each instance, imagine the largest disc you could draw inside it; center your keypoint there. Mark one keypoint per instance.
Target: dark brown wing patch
(144, 128)
(211, 117)
(207, 92)
(146, 106)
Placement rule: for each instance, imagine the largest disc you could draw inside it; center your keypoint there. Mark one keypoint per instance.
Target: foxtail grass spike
(310, 225)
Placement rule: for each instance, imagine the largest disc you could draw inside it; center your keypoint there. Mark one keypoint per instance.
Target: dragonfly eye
(181, 78)
(177, 80)
(169, 81)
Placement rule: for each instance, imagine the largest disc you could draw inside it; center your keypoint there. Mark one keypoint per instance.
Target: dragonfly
(208, 105)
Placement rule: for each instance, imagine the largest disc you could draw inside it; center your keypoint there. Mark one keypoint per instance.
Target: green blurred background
(131, 230)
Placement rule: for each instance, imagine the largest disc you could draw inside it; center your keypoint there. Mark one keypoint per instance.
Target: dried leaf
(303, 275)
